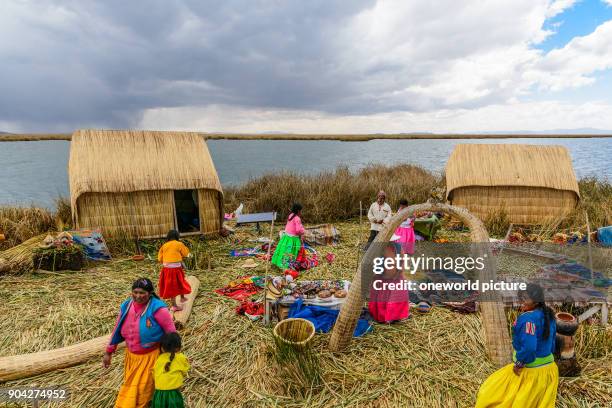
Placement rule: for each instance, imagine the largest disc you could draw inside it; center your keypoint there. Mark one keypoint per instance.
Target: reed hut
(532, 184)
(140, 184)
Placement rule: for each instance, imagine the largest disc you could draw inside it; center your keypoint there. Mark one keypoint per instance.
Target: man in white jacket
(379, 214)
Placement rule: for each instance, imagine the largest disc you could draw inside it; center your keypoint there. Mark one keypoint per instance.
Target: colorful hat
(423, 307)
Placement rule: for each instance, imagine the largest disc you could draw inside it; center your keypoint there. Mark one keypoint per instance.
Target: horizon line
(347, 137)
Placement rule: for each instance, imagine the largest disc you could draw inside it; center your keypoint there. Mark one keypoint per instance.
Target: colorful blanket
(307, 259)
(252, 310)
(244, 252)
(93, 244)
(242, 288)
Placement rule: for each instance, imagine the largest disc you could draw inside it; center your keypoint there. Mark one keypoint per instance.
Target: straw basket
(294, 333)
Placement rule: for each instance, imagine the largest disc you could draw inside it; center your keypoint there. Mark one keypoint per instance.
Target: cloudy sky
(359, 66)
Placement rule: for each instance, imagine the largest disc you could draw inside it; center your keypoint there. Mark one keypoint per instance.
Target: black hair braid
(549, 314)
(167, 366)
(536, 294)
(170, 343)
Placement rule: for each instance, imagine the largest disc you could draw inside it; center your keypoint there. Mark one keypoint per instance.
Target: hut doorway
(187, 210)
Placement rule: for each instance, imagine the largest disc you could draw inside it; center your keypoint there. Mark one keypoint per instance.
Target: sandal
(176, 308)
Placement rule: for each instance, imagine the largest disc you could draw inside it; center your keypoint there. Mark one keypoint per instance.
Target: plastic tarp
(323, 318)
(604, 235)
(93, 244)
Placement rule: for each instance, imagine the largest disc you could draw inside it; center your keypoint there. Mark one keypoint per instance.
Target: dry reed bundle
(181, 316)
(429, 360)
(496, 334)
(19, 258)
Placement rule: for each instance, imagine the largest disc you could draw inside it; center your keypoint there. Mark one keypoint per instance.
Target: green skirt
(167, 399)
(286, 251)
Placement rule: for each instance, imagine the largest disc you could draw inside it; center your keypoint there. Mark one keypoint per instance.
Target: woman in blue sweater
(532, 379)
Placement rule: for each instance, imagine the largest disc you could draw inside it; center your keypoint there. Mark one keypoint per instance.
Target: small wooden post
(359, 235)
(586, 216)
(604, 306)
(266, 278)
(268, 260)
(360, 212)
(505, 241)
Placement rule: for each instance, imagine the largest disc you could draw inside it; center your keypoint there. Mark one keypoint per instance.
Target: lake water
(36, 172)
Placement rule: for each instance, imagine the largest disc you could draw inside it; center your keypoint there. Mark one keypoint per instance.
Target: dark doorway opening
(187, 211)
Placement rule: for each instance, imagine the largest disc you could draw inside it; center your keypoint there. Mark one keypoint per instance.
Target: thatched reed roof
(515, 165)
(131, 160)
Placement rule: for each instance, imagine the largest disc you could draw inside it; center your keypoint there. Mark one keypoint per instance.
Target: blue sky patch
(579, 20)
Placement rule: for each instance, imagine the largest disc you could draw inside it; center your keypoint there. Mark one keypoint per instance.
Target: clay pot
(567, 324)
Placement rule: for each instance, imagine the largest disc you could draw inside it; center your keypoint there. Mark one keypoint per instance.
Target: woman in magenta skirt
(389, 305)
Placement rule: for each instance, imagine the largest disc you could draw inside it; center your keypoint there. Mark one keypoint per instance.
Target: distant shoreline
(31, 137)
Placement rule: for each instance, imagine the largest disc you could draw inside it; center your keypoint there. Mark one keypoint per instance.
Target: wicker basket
(294, 332)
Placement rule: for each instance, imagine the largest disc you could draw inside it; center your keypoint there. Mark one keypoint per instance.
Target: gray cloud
(69, 64)
(102, 63)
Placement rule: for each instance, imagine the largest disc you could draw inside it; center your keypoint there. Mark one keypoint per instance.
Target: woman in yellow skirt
(532, 380)
(142, 321)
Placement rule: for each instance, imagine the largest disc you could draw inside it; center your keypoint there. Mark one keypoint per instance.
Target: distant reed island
(31, 137)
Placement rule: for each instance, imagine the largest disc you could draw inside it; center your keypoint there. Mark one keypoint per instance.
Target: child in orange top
(172, 281)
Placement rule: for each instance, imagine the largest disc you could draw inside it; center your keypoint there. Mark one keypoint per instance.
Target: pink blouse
(294, 226)
(130, 332)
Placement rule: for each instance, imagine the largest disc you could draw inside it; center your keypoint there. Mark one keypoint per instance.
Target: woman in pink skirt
(405, 231)
(388, 305)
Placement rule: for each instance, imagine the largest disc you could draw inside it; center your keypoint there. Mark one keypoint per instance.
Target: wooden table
(256, 218)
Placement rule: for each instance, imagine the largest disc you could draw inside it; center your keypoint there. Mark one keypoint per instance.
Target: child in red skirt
(172, 281)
